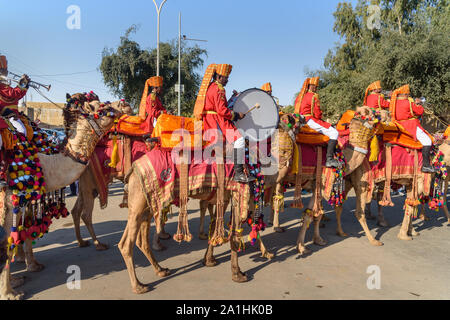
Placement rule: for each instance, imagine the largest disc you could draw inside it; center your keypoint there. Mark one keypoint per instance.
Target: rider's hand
(241, 115)
(24, 81)
(417, 101)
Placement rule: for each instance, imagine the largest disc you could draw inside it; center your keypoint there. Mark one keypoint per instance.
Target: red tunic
(407, 114)
(376, 100)
(153, 110)
(310, 109)
(9, 97)
(216, 114)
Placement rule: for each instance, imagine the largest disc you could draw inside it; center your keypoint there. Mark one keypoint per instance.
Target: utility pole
(158, 11)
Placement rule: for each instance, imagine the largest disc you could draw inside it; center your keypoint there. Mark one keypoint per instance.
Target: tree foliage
(412, 46)
(126, 69)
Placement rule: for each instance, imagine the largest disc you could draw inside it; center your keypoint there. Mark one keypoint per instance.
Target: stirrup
(428, 169)
(332, 163)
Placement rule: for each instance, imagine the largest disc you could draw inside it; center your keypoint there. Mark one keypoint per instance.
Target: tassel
(115, 153)
(374, 149)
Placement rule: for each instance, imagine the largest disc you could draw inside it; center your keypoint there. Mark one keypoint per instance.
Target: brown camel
(59, 170)
(138, 226)
(407, 231)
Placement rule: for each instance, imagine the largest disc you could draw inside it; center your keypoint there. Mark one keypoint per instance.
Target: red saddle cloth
(402, 163)
(160, 177)
(99, 163)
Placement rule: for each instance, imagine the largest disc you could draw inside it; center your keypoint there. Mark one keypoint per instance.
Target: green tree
(126, 69)
(411, 47)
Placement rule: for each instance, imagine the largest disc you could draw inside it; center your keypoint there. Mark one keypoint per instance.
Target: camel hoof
(320, 242)
(101, 247)
(278, 229)
(382, 223)
(413, 233)
(17, 281)
(342, 234)
(83, 244)
(424, 217)
(140, 289)
(164, 272)
(268, 255)
(203, 236)
(12, 296)
(35, 267)
(210, 263)
(159, 247)
(239, 277)
(164, 236)
(404, 237)
(376, 243)
(303, 251)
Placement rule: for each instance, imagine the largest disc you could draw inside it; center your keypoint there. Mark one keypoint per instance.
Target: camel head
(122, 106)
(287, 122)
(85, 128)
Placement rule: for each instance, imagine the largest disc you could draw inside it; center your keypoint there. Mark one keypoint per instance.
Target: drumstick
(257, 106)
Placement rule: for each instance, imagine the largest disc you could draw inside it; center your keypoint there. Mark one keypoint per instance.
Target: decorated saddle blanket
(129, 150)
(394, 133)
(171, 129)
(160, 179)
(310, 136)
(402, 164)
(130, 125)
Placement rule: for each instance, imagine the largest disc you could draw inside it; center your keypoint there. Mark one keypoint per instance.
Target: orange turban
(373, 86)
(267, 87)
(314, 81)
(220, 69)
(3, 62)
(308, 81)
(402, 90)
(151, 82)
(224, 69)
(447, 133)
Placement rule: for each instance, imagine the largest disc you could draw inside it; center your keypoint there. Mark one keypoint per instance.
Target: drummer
(308, 105)
(212, 107)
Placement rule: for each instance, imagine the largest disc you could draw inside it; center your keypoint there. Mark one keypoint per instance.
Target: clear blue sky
(264, 40)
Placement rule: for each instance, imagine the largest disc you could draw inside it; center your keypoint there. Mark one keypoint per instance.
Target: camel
(413, 190)
(141, 209)
(60, 170)
(357, 168)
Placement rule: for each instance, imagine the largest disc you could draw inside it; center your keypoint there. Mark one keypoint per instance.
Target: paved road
(416, 269)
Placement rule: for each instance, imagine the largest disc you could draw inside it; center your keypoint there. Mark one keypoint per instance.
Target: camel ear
(68, 96)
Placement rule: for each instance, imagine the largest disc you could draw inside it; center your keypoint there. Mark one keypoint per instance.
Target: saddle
(311, 137)
(394, 133)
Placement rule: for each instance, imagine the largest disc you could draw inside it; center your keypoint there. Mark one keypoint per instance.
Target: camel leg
(422, 215)
(88, 208)
(445, 208)
(317, 239)
(368, 212)
(236, 274)
(32, 264)
(76, 215)
(209, 260)
(6, 290)
(143, 243)
(339, 231)
(359, 214)
(381, 220)
(404, 229)
(276, 211)
(136, 208)
(203, 207)
(302, 250)
(159, 226)
(20, 256)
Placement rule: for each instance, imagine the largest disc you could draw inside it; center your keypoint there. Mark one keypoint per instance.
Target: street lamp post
(179, 62)
(158, 11)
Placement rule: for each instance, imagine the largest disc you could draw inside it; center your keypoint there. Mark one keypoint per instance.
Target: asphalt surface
(346, 268)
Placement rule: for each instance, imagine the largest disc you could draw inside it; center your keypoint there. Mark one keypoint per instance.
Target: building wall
(49, 115)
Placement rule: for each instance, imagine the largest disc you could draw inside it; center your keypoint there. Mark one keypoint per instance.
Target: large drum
(262, 116)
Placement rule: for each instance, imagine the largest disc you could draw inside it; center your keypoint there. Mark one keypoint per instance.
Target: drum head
(258, 124)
